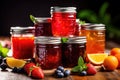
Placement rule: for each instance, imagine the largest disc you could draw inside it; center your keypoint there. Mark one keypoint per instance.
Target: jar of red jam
(22, 39)
(72, 50)
(63, 21)
(43, 27)
(48, 52)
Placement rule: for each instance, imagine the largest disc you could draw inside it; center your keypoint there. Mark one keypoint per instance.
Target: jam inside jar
(22, 39)
(63, 21)
(43, 26)
(72, 50)
(48, 52)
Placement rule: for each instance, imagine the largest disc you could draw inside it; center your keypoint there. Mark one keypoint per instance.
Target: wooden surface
(114, 75)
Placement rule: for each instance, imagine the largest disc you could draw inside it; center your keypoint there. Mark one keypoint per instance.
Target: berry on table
(3, 66)
(83, 73)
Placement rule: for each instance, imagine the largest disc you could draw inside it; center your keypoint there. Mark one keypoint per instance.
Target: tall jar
(48, 52)
(63, 21)
(95, 34)
(22, 39)
(43, 26)
(72, 50)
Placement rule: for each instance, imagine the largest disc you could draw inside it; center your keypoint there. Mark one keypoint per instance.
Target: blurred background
(16, 13)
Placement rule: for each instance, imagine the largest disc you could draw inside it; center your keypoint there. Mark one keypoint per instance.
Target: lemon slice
(12, 62)
(97, 58)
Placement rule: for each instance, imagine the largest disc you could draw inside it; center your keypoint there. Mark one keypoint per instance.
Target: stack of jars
(50, 48)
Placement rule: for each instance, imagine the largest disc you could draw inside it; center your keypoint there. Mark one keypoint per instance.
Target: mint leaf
(33, 19)
(80, 61)
(75, 69)
(64, 40)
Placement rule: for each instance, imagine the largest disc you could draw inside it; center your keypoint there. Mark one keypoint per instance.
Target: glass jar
(48, 52)
(22, 39)
(72, 50)
(43, 27)
(63, 21)
(95, 34)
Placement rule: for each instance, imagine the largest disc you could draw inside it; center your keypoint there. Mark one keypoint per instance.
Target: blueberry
(18, 70)
(61, 68)
(60, 74)
(57, 71)
(15, 70)
(66, 73)
(83, 73)
(3, 66)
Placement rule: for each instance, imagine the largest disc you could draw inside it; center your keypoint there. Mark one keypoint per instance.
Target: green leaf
(0, 45)
(80, 61)
(75, 69)
(33, 19)
(103, 9)
(64, 40)
(4, 52)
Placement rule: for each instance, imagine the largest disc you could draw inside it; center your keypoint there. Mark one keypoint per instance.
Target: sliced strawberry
(91, 70)
(37, 73)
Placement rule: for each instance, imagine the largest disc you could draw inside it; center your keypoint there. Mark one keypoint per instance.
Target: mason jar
(72, 50)
(63, 21)
(48, 51)
(22, 39)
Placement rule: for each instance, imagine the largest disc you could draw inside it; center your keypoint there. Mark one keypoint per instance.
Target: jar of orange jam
(95, 34)
(22, 39)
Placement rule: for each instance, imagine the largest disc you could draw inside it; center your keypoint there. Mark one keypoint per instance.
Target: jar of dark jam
(48, 52)
(43, 27)
(63, 21)
(72, 49)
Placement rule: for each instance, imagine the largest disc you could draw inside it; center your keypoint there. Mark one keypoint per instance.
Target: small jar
(95, 34)
(48, 52)
(43, 26)
(63, 21)
(22, 39)
(72, 50)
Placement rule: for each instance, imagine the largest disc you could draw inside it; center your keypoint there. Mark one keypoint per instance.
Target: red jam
(22, 43)
(48, 52)
(63, 21)
(43, 27)
(71, 51)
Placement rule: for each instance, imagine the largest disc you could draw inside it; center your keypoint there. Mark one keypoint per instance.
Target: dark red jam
(43, 27)
(48, 51)
(71, 51)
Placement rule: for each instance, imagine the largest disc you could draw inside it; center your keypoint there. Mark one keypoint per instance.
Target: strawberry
(33, 71)
(91, 70)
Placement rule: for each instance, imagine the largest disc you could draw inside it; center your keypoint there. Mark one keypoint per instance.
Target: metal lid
(43, 19)
(63, 9)
(79, 39)
(22, 30)
(47, 40)
(90, 26)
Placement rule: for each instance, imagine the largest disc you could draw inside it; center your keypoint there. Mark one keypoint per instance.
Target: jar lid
(90, 26)
(79, 39)
(63, 9)
(43, 19)
(47, 40)
(22, 30)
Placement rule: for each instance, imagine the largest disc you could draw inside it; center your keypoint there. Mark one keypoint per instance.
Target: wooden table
(114, 75)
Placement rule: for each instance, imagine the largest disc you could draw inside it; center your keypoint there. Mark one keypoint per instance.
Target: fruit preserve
(95, 34)
(48, 52)
(43, 27)
(22, 42)
(63, 21)
(72, 49)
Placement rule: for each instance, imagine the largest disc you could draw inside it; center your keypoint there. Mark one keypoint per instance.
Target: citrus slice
(12, 62)
(98, 58)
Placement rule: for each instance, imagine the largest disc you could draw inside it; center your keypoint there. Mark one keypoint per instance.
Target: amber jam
(63, 21)
(43, 27)
(48, 52)
(72, 49)
(22, 39)
(95, 34)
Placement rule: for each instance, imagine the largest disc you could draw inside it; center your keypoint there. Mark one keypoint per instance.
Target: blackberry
(3, 66)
